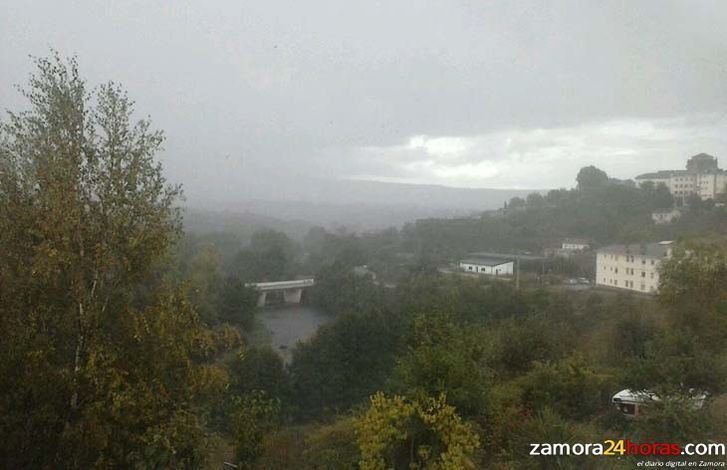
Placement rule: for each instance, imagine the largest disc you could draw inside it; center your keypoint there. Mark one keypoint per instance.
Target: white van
(631, 403)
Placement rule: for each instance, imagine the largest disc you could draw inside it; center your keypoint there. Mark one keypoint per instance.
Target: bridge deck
(282, 285)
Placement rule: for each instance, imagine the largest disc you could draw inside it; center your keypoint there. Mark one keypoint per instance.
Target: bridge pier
(292, 296)
(261, 298)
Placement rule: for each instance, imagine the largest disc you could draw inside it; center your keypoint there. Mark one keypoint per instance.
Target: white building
(575, 244)
(702, 177)
(632, 267)
(486, 265)
(665, 216)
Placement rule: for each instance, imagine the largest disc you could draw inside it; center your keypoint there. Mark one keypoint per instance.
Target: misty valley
(372, 235)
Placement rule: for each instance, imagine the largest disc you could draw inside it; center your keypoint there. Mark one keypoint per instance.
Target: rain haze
(398, 234)
(314, 102)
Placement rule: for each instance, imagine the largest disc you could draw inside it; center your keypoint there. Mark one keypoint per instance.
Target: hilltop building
(632, 267)
(575, 244)
(568, 247)
(702, 177)
(665, 216)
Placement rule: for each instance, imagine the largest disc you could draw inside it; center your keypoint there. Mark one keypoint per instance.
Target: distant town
(633, 267)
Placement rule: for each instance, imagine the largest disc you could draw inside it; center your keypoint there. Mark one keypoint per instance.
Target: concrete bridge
(292, 290)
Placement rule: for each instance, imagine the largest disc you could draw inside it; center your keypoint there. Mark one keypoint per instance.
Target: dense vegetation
(127, 344)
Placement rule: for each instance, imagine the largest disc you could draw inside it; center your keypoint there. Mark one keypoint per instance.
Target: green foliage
(324, 248)
(678, 361)
(674, 418)
(237, 303)
(470, 301)
(204, 278)
(216, 297)
(590, 178)
(340, 290)
(254, 415)
(314, 447)
(523, 342)
(694, 287)
(546, 426)
(258, 369)
(633, 330)
(100, 364)
(270, 257)
(332, 446)
(445, 359)
(344, 363)
(426, 433)
(690, 350)
(572, 387)
(602, 210)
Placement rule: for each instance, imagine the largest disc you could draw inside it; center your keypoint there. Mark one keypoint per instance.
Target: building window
(643, 274)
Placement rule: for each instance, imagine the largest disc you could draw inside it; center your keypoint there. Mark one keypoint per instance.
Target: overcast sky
(499, 94)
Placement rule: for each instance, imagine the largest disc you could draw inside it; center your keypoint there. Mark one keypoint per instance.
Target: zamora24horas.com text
(625, 447)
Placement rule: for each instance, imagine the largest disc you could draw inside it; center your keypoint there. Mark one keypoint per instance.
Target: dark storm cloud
(460, 93)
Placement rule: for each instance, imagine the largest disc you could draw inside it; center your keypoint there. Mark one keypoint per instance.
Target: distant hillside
(426, 196)
(357, 205)
(243, 223)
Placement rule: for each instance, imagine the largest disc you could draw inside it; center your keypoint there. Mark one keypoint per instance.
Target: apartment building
(702, 177)
(632, 267)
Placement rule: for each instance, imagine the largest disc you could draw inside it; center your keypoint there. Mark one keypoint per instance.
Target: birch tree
(86, 218)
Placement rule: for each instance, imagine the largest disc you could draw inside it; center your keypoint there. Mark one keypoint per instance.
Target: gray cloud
(541, 157)
(249, 91)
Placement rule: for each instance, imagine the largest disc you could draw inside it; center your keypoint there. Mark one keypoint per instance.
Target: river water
(286, 325)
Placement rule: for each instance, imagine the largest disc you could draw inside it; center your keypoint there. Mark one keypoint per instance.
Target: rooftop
(654, 250)
(671, 210)
(576, 241)
(663, 174)
(524, 256)
(484, 261)
(698, 164)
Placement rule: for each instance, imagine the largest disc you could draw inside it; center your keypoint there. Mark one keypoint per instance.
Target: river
(286, 325)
